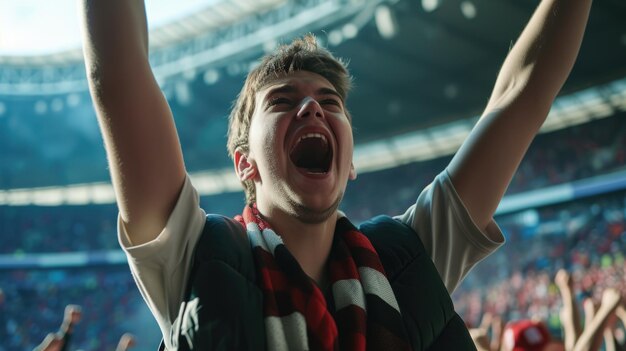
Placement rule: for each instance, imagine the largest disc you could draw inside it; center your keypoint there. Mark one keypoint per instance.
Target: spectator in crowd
(55, 229)
(126, 342)
(590, 337)
(3, 319)
(534, 335)
(529, 335)
(291, 141)
(490, 328)
(60, 340)
(110, 305)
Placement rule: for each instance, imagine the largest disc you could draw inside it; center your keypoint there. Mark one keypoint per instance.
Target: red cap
(525, 335)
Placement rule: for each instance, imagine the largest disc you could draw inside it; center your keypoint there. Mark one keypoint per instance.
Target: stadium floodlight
(430, 5)
(386, 22)
(468, 9)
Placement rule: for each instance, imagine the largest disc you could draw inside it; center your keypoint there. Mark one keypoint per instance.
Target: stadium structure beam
(226, 31)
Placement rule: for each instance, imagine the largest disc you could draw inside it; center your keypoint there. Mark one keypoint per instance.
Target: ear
(352, 175)
(245, 167)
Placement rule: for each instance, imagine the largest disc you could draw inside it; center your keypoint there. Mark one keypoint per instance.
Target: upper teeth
(311, 135)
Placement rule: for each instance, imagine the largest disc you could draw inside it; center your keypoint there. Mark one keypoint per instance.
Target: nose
(310, 107)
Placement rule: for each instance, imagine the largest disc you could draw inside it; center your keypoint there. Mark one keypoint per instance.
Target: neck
(309, 243)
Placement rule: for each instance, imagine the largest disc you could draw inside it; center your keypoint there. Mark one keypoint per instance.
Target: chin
(313, 214)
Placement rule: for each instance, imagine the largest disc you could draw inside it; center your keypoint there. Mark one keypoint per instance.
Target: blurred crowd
(586, 238)
(588, 325)
(36, 229)
(32, 304)
(566, 155)
(573, 153)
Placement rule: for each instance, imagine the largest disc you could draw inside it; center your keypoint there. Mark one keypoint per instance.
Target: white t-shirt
(160, 267)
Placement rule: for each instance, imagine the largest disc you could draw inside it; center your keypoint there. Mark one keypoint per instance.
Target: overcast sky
(35, 27)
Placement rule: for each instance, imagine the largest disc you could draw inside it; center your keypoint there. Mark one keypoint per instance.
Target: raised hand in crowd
(597, 320)
(600, 325)
(126, 342)
(488, 335)
(60, 340)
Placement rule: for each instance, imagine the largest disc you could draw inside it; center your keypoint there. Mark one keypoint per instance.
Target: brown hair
(303, 54)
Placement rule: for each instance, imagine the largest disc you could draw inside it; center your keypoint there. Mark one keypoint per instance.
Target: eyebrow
(288, 88)
(328, 91)
(283, 89)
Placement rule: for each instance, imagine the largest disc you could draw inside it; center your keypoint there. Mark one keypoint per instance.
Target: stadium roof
(419, 65)
(416, 63)
(34, 33)
(32, 28)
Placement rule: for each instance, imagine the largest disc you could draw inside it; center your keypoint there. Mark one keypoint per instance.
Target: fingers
(73, 314)
(563, 279)
(591, 338)
(126, 341)
(486, 321)
(589, 309)
(497, 325)
(620, 312)
(50, 343)
(570, 316)
(611, 299)
(479, 336)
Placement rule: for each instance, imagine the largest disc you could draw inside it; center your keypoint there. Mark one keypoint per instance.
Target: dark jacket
(223, 309)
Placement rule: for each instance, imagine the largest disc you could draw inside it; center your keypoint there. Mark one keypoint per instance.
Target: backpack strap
(427, 309)
(222, 308)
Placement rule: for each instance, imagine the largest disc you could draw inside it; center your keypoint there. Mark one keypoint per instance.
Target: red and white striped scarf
(297, 317)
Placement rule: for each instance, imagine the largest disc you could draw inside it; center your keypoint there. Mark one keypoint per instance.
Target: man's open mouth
(312, 153)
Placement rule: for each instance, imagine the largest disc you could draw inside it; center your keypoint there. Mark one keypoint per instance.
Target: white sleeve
(160, 267)
(451, 238)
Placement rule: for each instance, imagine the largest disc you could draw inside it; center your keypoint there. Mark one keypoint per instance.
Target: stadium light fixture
(211, 76)
(430, 5)
(335, 37)
(386, 22)
(73, 100)
(350, 30)
(56, 105)
(468, 9)
(182, 93)
(40, 107)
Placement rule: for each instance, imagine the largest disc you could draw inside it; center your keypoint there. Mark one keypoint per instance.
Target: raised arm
(591, 337)
(142, 146)
(532, 75)
(60, 340)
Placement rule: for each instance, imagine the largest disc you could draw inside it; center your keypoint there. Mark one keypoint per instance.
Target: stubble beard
(301, 212)
(310, 215)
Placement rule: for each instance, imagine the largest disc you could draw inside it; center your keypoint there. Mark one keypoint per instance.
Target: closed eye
(331, 102)
(278, 101)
